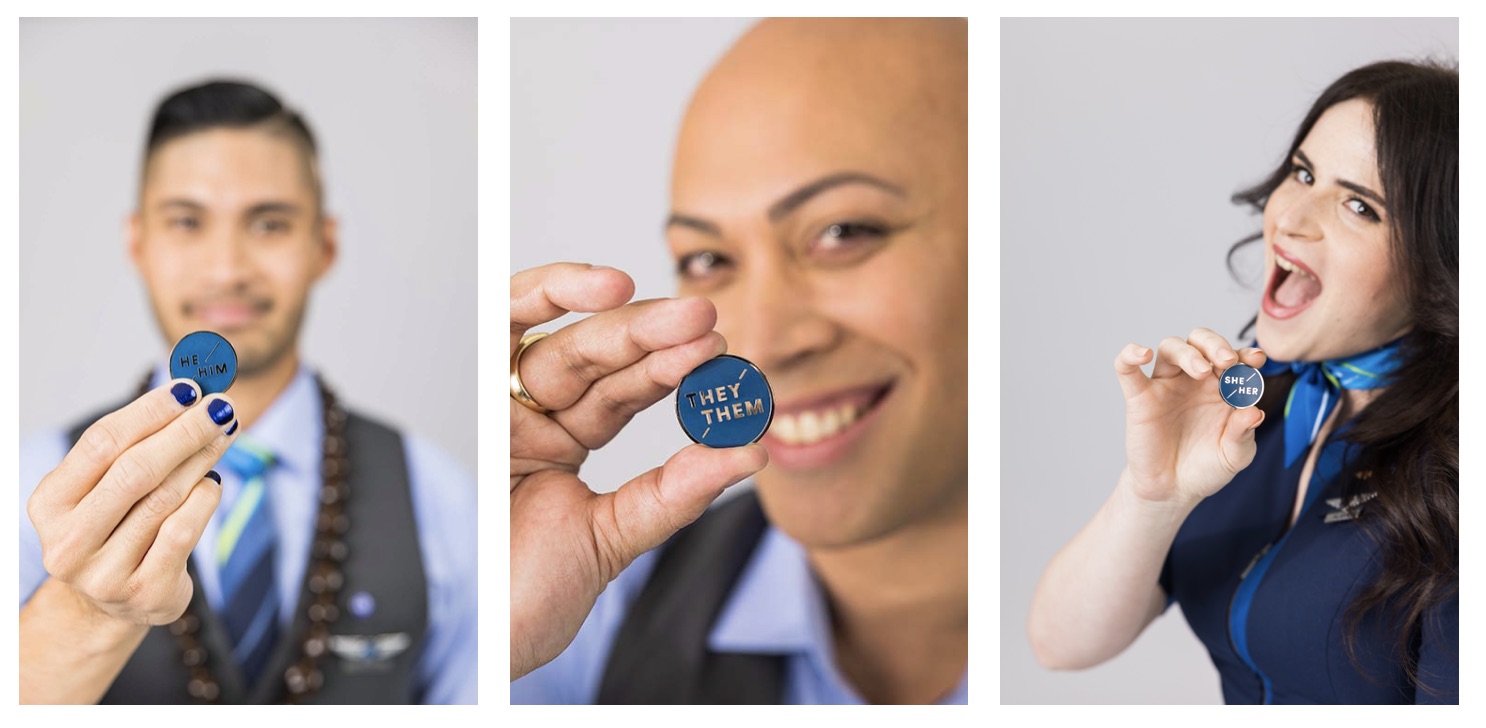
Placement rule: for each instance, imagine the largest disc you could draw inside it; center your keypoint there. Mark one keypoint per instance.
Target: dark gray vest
(385, 561)
(660, 653)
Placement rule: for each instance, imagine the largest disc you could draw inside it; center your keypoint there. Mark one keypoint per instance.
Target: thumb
(644, 512)
(1238, 437)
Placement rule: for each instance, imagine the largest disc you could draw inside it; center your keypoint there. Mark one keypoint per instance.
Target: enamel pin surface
(1241, 386)
(207, 358)
(725, 402)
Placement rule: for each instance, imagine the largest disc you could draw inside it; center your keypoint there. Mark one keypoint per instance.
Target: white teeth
(1287, 265)
(830, 422)
(784, 428)
(848, 414)
(807, 428)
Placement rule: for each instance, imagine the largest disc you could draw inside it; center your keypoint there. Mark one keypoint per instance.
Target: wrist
(1174, 506)
(96, 631)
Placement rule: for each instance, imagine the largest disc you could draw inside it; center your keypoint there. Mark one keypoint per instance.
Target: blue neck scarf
(1318, 388)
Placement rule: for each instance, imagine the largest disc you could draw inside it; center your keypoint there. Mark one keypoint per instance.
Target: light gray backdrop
(1121, 141)
(595, 108)
(392, 103)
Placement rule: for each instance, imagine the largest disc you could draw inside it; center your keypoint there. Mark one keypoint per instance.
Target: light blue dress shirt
(777, 607)
(443, 494)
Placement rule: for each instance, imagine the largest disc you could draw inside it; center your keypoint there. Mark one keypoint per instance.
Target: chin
(822, 515)
(1276, 344)
(1281, 340)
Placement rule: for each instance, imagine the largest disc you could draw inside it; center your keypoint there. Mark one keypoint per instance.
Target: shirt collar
(291, 427)
(776, 607)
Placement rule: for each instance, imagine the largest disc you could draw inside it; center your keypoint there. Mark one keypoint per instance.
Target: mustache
(259, 304)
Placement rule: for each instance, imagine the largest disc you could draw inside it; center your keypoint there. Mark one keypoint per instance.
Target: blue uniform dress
(1270, 600)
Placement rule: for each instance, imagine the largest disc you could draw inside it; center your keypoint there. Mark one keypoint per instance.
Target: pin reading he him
(1241, 386)
(725, 402)
(207, 358)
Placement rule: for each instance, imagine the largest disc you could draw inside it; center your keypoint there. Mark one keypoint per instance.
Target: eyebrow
(283, 208)
(792, 201)
(181, 202)
(262, 208)
(698, 224)
(1353, 186)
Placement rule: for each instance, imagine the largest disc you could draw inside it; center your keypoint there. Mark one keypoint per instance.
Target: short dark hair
(220, 103)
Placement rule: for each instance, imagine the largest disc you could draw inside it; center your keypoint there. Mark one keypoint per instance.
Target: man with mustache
(327, 557)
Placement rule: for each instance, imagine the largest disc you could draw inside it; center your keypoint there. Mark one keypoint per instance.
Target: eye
(1303, 175)
(183, 222)
(1361, 208)
(269, 226)
(842, 237)
(701, 265)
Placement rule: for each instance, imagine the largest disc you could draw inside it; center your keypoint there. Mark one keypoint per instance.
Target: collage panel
(1238, 277)
(786, 202)
(243, 241)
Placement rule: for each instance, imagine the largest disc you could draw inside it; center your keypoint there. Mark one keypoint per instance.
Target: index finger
(539, 295)
(1127, 366)
(1214, 347)
(1253, 356)
(105, 440)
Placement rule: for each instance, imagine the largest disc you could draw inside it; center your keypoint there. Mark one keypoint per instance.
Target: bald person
(818, 225)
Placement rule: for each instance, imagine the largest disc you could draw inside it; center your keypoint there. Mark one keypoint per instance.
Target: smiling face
(819, 200)
(1331, 289)
(229, 237)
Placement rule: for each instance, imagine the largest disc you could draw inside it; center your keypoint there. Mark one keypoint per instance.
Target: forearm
(71, 651)
(1101, 590)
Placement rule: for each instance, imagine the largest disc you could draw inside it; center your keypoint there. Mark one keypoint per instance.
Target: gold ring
(518, 390)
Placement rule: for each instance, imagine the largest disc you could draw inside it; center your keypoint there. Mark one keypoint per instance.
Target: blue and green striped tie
(245, 548)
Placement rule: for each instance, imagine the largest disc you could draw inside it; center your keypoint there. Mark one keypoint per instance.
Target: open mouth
(816, 431)
(1293, 286)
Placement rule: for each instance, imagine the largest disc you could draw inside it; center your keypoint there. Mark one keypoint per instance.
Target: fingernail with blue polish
(184, 393)
(220, 411)
(232, 429)
(214, 476)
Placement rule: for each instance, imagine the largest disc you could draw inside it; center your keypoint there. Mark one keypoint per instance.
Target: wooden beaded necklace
(323, 577)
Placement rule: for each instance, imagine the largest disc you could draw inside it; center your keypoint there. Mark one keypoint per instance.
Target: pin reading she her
(725, 402)
(1241, 386)
(206, 357)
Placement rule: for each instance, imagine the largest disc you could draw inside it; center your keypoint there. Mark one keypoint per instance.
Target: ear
(329, 246)
(134, 239)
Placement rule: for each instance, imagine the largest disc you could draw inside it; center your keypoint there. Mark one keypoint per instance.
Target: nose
(775, 319)
(226, 261)
(1297, 216)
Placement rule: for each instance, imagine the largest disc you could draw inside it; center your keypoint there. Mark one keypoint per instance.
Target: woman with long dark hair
(1311, 541)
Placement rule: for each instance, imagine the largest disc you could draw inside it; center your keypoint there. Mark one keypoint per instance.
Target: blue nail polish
(184, 393)
(220, 411)
(214, 476)
(232, 429)
(725, 402)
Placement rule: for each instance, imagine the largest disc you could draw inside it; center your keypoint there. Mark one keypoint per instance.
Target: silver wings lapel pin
(1350, 511)
(369, 651)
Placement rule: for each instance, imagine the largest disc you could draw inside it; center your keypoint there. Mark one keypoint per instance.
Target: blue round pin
(362, 605)
(725, 402)
(207, 358)
(1241, 386)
